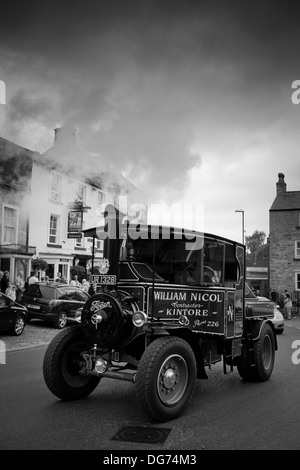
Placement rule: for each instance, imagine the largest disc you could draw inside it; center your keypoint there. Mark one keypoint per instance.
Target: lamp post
(243, 225)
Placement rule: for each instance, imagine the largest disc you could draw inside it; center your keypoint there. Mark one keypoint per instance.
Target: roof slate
(289, 201)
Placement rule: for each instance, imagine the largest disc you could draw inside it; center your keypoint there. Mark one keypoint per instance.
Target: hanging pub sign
(75, 224)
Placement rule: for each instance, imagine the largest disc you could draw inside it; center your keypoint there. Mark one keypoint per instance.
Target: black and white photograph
(149, 228)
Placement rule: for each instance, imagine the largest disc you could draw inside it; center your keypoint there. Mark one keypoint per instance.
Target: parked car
(278, 320)
(13, 316)
(265, 304)
(56, 303)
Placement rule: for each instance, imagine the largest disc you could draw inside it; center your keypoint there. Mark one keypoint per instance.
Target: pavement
(36, 333)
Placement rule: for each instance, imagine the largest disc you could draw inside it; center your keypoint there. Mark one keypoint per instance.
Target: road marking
(292, 326)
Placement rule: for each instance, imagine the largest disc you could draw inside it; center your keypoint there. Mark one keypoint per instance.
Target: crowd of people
(14, 290)
(10, 289)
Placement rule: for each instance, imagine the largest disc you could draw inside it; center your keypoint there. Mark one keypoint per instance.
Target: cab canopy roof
(149, 231)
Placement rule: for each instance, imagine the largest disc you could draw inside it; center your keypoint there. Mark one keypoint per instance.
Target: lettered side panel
(200, 310)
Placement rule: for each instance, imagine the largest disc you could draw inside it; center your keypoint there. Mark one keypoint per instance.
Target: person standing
(11, 291)
(33, 279)
(20, 284)
(75, 281)
(4, 281)
(288, 306)
(85, 285)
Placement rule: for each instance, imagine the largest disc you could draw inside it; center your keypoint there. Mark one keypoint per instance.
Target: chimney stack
(281, 185)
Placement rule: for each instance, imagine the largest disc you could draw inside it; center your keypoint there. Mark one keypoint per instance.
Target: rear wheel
(61, 321)
(264, 357)
(62, 363)
(165, 378)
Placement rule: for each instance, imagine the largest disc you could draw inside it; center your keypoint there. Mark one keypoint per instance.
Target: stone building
(284, 264)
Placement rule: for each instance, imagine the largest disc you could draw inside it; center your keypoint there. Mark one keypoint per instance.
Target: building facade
(58, 194)
(284, 264)
(15, 179)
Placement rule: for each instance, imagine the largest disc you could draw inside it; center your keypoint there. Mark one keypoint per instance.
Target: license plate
(103, 279)
(35, 307)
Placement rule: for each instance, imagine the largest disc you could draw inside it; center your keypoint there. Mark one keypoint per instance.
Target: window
(297, 281)
(81, 192)
(54, 229)
(68, 294)
(48, 293)
(101, 198)
(98, 244)
(10, 220)
(297, 249)
(214, 264)
(55, 187)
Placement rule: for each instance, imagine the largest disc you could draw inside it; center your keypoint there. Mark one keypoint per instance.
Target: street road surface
(225, 412)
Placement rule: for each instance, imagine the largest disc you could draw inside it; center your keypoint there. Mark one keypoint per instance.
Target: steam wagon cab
(168, 304)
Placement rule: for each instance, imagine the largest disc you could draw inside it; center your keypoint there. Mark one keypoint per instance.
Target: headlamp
(139, 318)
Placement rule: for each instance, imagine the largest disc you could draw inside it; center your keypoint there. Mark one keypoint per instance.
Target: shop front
(15, 258)
(58, 264)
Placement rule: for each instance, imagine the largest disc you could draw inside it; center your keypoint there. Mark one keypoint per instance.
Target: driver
(189, 274)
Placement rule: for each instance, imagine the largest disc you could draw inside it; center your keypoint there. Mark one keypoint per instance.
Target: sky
(190, 100)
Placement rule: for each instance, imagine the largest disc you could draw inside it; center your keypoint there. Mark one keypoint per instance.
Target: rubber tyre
(19, 326)
(62, 363)
(244, 369)
(165, 378)
(61, 321)
(264, 354)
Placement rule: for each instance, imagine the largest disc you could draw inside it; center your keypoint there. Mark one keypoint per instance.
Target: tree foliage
(78, 271)
(39, 264)
(255, 241)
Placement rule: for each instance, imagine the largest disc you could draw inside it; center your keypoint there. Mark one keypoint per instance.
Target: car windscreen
(67, 293)
(82, 296)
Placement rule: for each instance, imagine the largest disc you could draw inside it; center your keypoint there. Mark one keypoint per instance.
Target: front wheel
(264, 357)
(165, 378)
(61, 321)
(62, 362)
(19, 326)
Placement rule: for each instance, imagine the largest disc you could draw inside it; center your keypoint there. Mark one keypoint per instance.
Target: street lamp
(243, 230)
